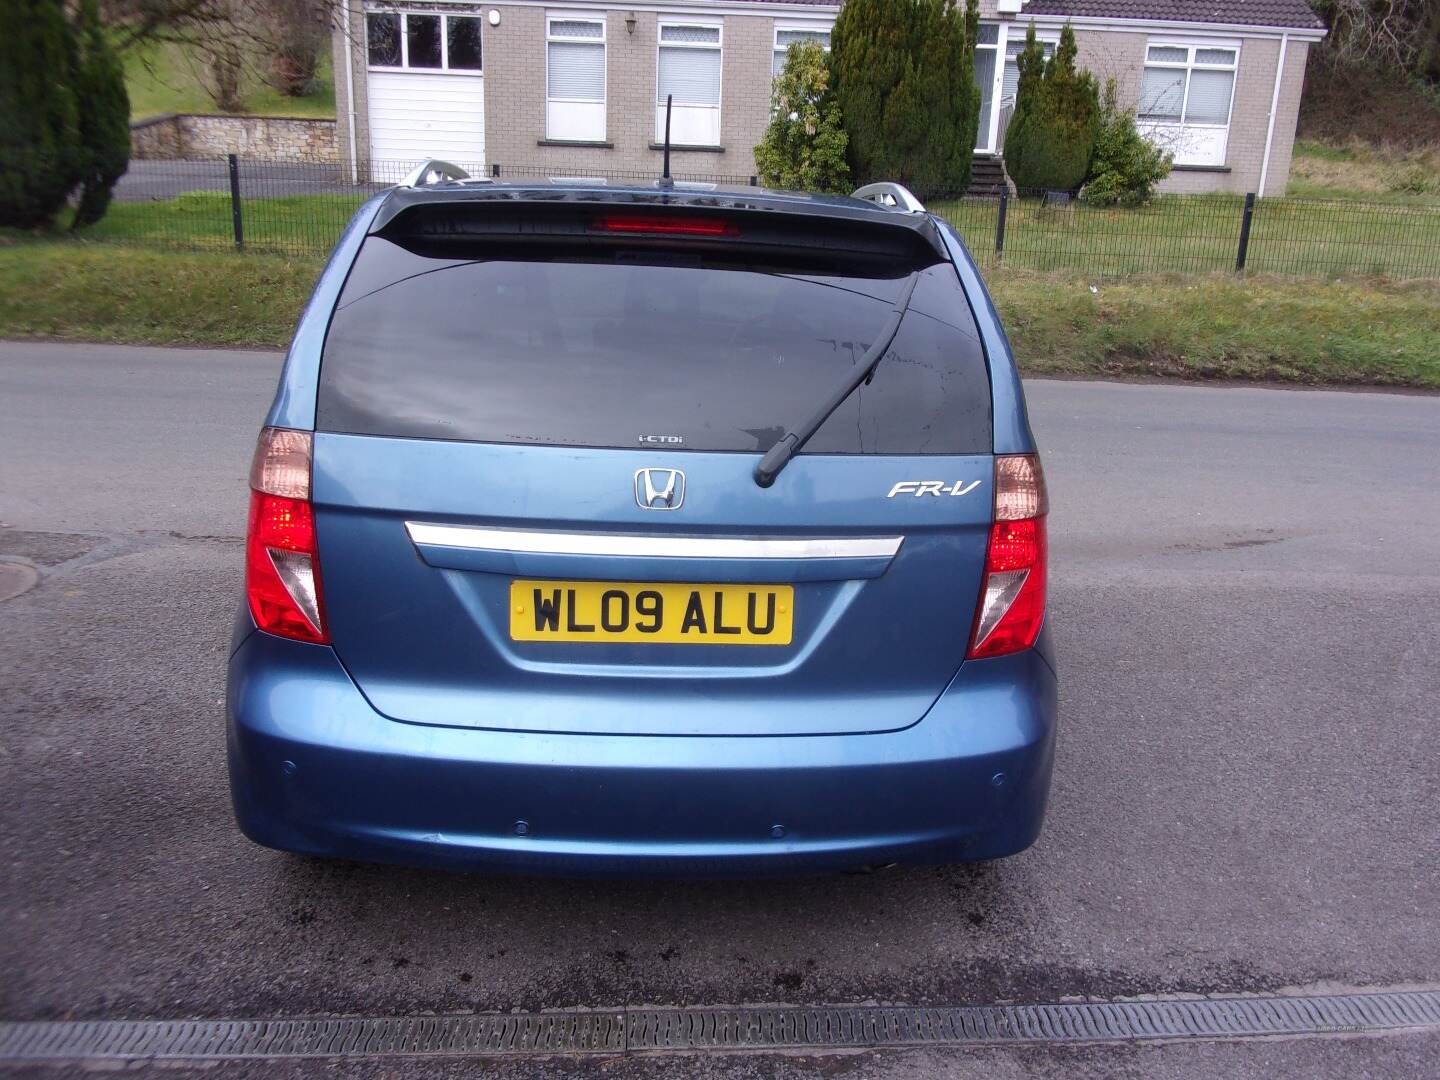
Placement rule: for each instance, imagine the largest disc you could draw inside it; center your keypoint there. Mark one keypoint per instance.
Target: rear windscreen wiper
(779, 455)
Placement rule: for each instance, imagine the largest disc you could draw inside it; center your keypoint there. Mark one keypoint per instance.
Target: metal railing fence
(299, 207)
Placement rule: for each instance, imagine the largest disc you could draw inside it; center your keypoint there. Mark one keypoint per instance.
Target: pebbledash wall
(1121, 55)
(187, 135)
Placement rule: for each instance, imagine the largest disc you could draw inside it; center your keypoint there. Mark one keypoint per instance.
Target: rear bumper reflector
(527, 541)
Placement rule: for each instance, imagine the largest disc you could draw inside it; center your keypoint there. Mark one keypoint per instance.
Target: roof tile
(1284, 13)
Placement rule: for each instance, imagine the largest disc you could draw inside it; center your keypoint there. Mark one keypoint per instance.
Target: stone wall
(186, 135)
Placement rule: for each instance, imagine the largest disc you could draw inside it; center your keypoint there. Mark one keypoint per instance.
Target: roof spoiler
(435, 171)
(890, 196)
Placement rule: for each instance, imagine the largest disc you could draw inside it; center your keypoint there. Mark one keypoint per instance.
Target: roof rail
(433, 171)
(891, 197)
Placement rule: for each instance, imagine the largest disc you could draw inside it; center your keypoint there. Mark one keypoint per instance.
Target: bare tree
(296, 32)
(280, 40)
(1395, 34)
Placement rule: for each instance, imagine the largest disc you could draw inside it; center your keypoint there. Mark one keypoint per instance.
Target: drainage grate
(623, 1030)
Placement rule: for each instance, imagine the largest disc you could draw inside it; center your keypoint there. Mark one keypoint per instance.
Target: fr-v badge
(660, 489)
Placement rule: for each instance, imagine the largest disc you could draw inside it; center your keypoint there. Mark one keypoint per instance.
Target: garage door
(415, 115)
(426, 92)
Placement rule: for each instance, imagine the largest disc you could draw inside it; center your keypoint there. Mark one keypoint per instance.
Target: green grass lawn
(290, 225)
(1200, 234)
(109, 292)
(1406, 177)
(1357, 332)
(1178, 235)
(164, 78)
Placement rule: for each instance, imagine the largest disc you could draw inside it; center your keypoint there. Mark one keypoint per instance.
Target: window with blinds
(688, 71)
(1185, 96)
(574, 79)
(1188, 84)
(787, 36)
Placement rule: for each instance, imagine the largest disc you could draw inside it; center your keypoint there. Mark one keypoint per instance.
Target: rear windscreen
(636, 347)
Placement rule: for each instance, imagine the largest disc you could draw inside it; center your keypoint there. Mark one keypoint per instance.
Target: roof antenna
(665, 181)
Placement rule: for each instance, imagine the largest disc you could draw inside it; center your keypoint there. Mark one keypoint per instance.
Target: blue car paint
(384, 602)
(315, 769)
(966, 780)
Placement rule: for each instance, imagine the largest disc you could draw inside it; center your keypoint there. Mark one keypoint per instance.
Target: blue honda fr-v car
(644, 530)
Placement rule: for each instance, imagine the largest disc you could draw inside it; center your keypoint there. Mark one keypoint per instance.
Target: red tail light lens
(667, 226)
(1012, 601)
(282, 562)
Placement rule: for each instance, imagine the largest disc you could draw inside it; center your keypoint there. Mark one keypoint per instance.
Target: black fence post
(236, 220)
(495, 170)
(1245, 231)
(1000, 222)
(754, 181)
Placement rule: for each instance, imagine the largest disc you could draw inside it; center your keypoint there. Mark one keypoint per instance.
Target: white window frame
(689, 116)
(782, 26)
(986, 138)
(445, 17)
(1192, 142)
(574, 119)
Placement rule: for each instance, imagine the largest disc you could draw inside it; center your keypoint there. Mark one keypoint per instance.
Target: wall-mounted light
(630, 23)
(494, 16)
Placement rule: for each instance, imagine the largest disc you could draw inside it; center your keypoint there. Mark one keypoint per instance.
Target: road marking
(815, 1028)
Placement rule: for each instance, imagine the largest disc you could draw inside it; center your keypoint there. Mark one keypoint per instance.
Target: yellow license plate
(662, 612)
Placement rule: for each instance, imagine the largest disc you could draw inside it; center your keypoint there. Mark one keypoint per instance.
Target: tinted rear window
(616, 346)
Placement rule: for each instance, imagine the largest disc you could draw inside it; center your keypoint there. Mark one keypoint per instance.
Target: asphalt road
(145, 181)
(1247, 606)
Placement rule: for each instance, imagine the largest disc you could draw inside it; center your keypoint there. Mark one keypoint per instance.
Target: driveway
(1246, 602)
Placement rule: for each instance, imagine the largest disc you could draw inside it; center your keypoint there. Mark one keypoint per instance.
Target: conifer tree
(104, 107)
(1052, 131)
(39, 116)
(905, 80)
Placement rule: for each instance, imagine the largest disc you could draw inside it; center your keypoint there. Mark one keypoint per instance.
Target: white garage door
(415, 115)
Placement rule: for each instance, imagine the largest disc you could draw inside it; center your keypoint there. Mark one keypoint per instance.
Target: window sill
(689, 148)
(598, 144)
(1200, 168)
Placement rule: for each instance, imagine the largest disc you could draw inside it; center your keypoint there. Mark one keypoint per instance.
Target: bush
(1052, 133)
(804, 146)
(1126, 166)
(904, 77)
(64, 115)
(39, 117)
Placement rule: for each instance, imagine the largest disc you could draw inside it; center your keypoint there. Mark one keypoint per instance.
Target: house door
(987, 52)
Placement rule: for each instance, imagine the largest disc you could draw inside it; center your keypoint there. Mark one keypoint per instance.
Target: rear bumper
(314, 769)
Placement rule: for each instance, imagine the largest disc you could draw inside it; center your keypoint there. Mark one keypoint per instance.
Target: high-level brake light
(282, 563)
(1012, 600)
(656, 225)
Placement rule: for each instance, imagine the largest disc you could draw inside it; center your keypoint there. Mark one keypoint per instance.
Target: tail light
(1012, 602)
(282, 563)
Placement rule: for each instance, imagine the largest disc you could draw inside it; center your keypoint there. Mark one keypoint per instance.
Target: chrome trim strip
(531, 542)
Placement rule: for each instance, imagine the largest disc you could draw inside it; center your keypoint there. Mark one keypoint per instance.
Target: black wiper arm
(779, 455)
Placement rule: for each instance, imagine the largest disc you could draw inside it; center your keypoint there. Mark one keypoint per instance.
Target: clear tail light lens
(282, 562)
(1012, 601)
